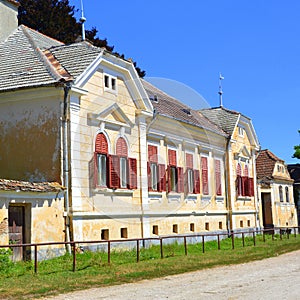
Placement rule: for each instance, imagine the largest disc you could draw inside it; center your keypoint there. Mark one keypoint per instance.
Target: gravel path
(272, 278)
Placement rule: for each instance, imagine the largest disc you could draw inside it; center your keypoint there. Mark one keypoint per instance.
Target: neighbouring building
(294, 170)
(275, 192)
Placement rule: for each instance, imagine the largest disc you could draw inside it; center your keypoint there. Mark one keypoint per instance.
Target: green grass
(18, 281)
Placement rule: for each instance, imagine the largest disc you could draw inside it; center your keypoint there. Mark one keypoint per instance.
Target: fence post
(203, 245)
(185, 246)
(161, 248)
(280, 233)
(232, 240)
(137, 250)
(35, 259)
(243, 239)
(295, 233)
(254, 238)
(74, 256)
(108, 252)
(288, 233)
(264, 237)
(219, 245)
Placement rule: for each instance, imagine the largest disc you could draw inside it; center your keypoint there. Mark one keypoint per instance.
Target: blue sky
(254, 44)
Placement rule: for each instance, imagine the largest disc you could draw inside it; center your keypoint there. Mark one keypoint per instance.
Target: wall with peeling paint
(30, 135)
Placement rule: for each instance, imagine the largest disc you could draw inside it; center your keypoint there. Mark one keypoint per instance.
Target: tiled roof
(294, 171)
(223, 117)
(24, 186)
(22, 62)
(265, 163)
(75, 58)
(168, 106)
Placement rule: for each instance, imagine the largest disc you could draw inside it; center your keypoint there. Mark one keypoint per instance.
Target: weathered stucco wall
(30, 136)
(8, 19)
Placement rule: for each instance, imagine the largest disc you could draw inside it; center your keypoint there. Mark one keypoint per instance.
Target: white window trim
(110, 88)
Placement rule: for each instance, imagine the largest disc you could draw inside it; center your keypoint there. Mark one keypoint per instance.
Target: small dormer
(8, 18)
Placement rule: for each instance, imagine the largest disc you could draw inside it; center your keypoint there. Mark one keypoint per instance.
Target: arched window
(101, 152)
(280, 193)
(122, 169)
(287, 194)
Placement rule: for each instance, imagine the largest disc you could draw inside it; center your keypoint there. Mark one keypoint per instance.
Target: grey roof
(170, 107)
(25, 186)
(75, 58)
(223, 117)
(22, 62)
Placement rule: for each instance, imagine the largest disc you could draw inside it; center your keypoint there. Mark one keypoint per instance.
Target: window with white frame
(192, 175)
(241, 131)
(114, 171)
(110, 82)
(175, 174)
(287, 195)
(280, 193)
(101, 154)
(156, 171)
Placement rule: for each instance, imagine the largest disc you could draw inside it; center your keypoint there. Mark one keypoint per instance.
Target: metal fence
(202, 237)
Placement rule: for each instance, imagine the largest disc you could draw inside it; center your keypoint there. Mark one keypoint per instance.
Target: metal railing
(283, 231)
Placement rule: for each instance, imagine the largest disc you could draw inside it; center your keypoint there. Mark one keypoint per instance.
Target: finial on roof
(220, 89)
(82, 20)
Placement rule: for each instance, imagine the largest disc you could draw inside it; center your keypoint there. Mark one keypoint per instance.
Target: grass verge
(18, 281)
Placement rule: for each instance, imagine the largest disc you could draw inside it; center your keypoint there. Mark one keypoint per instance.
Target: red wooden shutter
(101, 145)
(244, 186)
(121, 147)
(180, 182)
(246, 171)
(149, 176)
(152, 153)
(239, 185)
(204, 175)
(172, 157)
(196, 181)
(114, 171)
(162, 178)
(238, 170)
(132, 173)
(251, 186)
(189, 160)
(169, 189)
(95, 169)
(218, 177)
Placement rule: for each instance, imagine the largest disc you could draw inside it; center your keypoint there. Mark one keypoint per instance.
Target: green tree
(297, 150)
(56, 19)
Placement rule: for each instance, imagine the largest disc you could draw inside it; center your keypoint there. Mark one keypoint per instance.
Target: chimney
(8, 18)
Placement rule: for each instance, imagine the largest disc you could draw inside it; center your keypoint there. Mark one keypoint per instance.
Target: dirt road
(272, 278)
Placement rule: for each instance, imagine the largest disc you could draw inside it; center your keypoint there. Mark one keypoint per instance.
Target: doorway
(267, 211)
(19, 218)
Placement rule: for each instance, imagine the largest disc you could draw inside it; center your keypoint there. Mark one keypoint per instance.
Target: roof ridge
(44, 58)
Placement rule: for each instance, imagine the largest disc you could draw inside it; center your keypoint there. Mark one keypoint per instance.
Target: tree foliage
(56, 19)
(297, 150)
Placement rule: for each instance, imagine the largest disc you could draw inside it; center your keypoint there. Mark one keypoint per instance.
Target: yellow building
(275, 191)
(90, 151)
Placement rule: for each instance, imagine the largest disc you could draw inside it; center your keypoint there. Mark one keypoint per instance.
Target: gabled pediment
(112, 115)
(243, 154)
